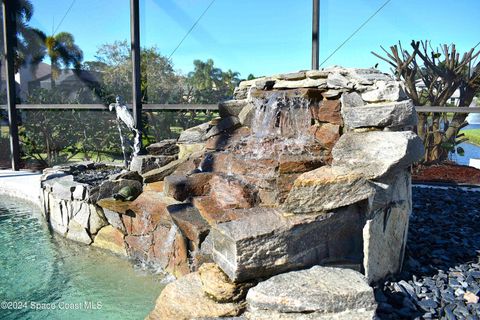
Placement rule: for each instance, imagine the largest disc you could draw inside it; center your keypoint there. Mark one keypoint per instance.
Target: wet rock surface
(441, 273)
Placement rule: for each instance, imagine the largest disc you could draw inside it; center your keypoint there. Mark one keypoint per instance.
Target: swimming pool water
(44, 276)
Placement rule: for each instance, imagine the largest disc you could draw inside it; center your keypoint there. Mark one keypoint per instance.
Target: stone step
(326, 189)
(315, 293)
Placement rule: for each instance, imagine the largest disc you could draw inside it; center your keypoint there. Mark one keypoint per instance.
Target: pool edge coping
(13, 185)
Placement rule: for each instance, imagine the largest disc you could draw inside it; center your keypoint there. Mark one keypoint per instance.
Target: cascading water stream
(280, 126)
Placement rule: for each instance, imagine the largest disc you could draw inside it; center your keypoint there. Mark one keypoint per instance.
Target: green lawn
(473, 136)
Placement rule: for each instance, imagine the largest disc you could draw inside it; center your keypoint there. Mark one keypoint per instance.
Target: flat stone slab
(160, 173)
(263, 242)
(376, 153)
(381, 115)
(319, 291)
(231, 107)
(324, 189)
(165, 147)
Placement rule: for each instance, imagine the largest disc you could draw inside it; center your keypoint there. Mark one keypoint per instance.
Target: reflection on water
(41, 270)
(473, 118)
(471, 150)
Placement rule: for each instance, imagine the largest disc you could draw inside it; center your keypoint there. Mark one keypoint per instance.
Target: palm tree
(24, 33)
(62, 51)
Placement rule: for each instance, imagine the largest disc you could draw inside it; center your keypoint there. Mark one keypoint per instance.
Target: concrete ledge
(21, 184)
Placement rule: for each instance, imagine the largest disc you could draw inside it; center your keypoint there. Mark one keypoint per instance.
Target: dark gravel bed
(94, 177)
(441, 273)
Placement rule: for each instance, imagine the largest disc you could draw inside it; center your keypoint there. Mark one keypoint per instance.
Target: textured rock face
(326, 134)
(145, 163)
(327, 111)
(195, 134)
(77, 232)
(264, 243)
(160, 173)
(217, 285)
(111, 239)
(386, 115)
(386, 91)
(165, 147)
(183, 187)
(374, 154)
(185, 299)
(108, 188)
(385, 237)
(323, 189)
(231, 193)
(385, 233)
(316, 293)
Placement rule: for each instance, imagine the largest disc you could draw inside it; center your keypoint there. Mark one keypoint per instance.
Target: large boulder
(190, 222)
(263, 242)
(184, 299)
(376, 153)
(231, 107)
(316, 293)
(78, 233)
(61, 186)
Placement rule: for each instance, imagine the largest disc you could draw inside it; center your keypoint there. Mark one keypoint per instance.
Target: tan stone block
(111, 239)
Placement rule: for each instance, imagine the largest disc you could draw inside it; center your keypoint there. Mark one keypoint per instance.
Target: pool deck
(21, 184)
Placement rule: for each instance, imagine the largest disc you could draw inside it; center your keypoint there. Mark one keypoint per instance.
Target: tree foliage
(159, 82)
(208, 84)
(61, 51)
(443, 71)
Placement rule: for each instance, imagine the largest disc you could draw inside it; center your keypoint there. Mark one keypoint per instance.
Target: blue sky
(264, 37)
